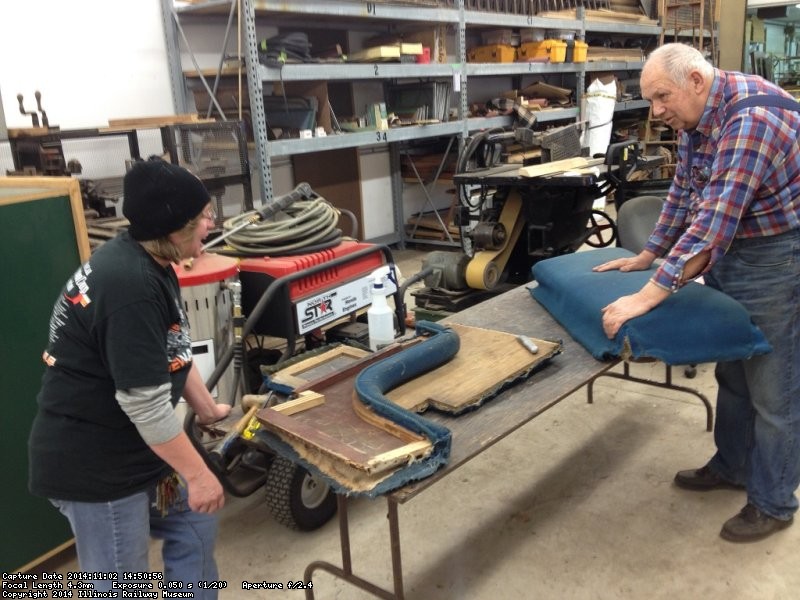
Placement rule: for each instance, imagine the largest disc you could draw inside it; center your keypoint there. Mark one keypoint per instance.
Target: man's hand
(616, 314)
(640, 262)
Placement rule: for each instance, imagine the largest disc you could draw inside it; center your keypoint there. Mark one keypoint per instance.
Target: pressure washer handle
(303, 191)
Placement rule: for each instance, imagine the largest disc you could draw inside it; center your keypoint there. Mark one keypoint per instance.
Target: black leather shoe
(751, 525)
(703, 479)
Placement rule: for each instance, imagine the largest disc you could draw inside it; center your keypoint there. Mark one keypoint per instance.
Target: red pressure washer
(286, 297)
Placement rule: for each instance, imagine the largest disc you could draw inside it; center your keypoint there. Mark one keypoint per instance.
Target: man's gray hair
(678, 60)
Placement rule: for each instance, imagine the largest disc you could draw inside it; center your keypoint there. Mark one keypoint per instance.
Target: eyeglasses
(210, 214)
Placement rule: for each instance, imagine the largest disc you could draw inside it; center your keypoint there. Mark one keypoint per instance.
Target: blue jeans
(757, 432)
(113, 538)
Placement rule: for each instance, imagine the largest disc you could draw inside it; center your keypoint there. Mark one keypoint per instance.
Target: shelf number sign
(370, 8)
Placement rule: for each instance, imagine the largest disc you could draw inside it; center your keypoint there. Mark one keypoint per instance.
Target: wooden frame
(371, 446)
(14, 190)
(300, 374)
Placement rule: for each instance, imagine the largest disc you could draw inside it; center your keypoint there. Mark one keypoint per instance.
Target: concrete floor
(577, 504)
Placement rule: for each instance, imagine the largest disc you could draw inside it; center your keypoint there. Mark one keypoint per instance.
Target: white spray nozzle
(385, 277)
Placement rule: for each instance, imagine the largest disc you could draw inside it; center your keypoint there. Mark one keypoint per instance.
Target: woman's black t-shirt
(117, 324)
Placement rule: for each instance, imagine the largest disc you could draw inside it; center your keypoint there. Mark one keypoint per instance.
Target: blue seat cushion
(695, 324)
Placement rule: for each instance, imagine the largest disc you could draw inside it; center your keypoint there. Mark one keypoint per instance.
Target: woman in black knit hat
(106, 447)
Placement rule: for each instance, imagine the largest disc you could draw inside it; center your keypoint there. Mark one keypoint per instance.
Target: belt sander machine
(511, 216)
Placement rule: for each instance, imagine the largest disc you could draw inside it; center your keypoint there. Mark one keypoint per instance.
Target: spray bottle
(380, 317)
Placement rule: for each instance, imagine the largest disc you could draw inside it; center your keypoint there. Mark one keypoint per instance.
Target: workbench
(514, 312)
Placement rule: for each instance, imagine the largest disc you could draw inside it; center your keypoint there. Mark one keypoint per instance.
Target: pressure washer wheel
(296, 498)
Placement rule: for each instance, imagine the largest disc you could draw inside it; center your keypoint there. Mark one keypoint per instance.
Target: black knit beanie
(160, 198)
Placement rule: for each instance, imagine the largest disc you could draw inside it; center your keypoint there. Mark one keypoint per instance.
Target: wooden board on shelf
(228, 71)
(431, 222)
(604, 16)
(428, 227)
(600, 53)
(412, 48)
(427, 234)
(154, 122)
(375, 54)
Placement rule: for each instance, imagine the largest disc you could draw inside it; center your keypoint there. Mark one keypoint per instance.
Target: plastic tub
(553, 50)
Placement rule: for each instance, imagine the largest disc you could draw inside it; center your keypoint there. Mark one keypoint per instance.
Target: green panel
(39, 251)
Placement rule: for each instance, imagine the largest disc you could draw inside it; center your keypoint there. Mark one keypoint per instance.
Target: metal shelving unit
(376, 15)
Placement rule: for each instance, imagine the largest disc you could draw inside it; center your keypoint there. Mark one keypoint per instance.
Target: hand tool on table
(251, 404)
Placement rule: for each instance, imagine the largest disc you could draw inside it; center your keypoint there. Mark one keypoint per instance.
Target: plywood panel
(486, 360)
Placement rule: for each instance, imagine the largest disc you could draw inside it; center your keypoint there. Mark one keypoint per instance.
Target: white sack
(599, 110)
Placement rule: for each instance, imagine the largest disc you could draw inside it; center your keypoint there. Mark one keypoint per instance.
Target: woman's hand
(205, 493)
(215, 412)
(201, 400)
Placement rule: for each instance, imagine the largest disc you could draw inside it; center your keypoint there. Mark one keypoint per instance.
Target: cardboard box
(433, 38)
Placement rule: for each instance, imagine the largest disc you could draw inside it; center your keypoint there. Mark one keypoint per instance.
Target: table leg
(345, 573)
(394, 541)
(666, 384)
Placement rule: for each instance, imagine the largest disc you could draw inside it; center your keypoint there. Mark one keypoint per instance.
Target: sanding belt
(483, 271)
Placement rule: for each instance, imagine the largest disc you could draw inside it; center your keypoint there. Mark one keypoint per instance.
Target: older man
(733, 215)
